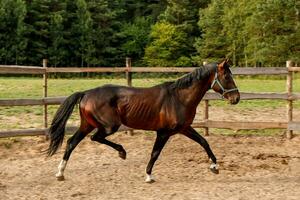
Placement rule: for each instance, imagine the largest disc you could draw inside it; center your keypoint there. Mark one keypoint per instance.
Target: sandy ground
(251, 167)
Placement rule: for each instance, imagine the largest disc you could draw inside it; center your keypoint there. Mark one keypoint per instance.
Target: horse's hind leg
(100, 135)
(71, 144)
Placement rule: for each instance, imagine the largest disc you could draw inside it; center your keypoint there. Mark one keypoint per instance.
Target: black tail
(57, 128)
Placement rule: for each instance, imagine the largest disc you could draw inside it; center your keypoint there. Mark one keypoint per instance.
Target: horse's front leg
(192, 134)
(161, 140)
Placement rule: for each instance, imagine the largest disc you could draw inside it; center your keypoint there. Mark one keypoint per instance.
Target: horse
(168, 108)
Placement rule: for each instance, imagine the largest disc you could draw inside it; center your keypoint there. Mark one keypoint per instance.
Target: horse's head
(223, 83)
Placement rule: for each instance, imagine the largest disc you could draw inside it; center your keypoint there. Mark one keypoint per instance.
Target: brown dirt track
(251, 167)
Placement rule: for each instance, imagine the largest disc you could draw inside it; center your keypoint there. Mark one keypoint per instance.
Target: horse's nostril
(236, 99)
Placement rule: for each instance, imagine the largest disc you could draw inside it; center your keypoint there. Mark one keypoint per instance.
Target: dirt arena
(251, 167)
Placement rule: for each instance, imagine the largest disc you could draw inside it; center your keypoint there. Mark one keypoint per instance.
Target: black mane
(197, 74)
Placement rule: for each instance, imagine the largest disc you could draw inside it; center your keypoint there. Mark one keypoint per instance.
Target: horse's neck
(192, 95)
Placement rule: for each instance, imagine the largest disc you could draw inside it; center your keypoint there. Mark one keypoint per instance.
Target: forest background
(89, 33)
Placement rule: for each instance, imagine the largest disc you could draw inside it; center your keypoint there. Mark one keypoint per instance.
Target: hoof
(122, 154)
(60, 178)
(149, 179)
(214, 168)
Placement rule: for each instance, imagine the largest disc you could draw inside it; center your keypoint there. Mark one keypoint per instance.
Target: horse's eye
(227, 76)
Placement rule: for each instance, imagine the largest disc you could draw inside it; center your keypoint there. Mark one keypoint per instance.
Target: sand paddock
(251, 167)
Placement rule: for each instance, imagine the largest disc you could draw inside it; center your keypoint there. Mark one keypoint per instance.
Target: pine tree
(135, 30)
(103, 18)
(166, 46)
(56, 50)
(12, 31)
(136, 37)
(212, 45)
(235, 14)
(20, 42)
(37, 23)
(154, 8)
(271, 28)
(294, 17)
(183, 14)
(179, 12)
(82, 30)
(70, 45)
(112, 52)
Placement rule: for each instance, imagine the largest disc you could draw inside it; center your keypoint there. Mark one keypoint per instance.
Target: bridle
(224, 91)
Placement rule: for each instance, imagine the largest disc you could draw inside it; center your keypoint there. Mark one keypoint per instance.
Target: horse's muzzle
(234, 99)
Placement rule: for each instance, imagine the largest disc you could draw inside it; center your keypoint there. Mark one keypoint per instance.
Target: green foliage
(235, 13)
(82, 29)
(136, 37)
(181, 12)
(166, 33)
(103, 18)
(272, 32)
(56, 50)
(250, 32)
(212, 46)
(182, 15)
(166, 46)
(37, 32)
(12, 31)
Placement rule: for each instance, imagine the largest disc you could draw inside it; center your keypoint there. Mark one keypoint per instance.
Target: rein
(224, 91)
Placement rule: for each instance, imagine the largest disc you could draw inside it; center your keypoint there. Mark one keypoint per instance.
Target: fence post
(45, 94)
(206, 115)
(206, 105)
(128, 73)
(129, 81)
(289, 89)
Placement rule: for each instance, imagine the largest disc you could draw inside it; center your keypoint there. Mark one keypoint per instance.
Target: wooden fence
(289, 96)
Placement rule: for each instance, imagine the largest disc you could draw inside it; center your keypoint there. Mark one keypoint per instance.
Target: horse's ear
(228, 62)
(225, 63)
(222, 64)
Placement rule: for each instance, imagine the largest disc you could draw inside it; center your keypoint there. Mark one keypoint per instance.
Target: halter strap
(224, 91)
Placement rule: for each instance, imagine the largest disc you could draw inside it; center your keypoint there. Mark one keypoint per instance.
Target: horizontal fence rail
(203, 124)
(289, 125)
(236, 71)
(208, 96)
(294, 126)
(32, 101)
(42, 131)
(13, 69)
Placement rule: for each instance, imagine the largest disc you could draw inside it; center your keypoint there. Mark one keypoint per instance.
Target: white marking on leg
(213, 166)
(149, 178)
(61, 168)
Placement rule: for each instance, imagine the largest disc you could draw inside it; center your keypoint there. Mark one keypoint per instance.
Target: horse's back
(113, 104)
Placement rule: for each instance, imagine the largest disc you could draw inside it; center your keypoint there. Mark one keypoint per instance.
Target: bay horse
(167, 108)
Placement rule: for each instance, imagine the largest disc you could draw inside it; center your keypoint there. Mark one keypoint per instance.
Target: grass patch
(25, 87)
(254, 104)
(262, 132)
(31, 87)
